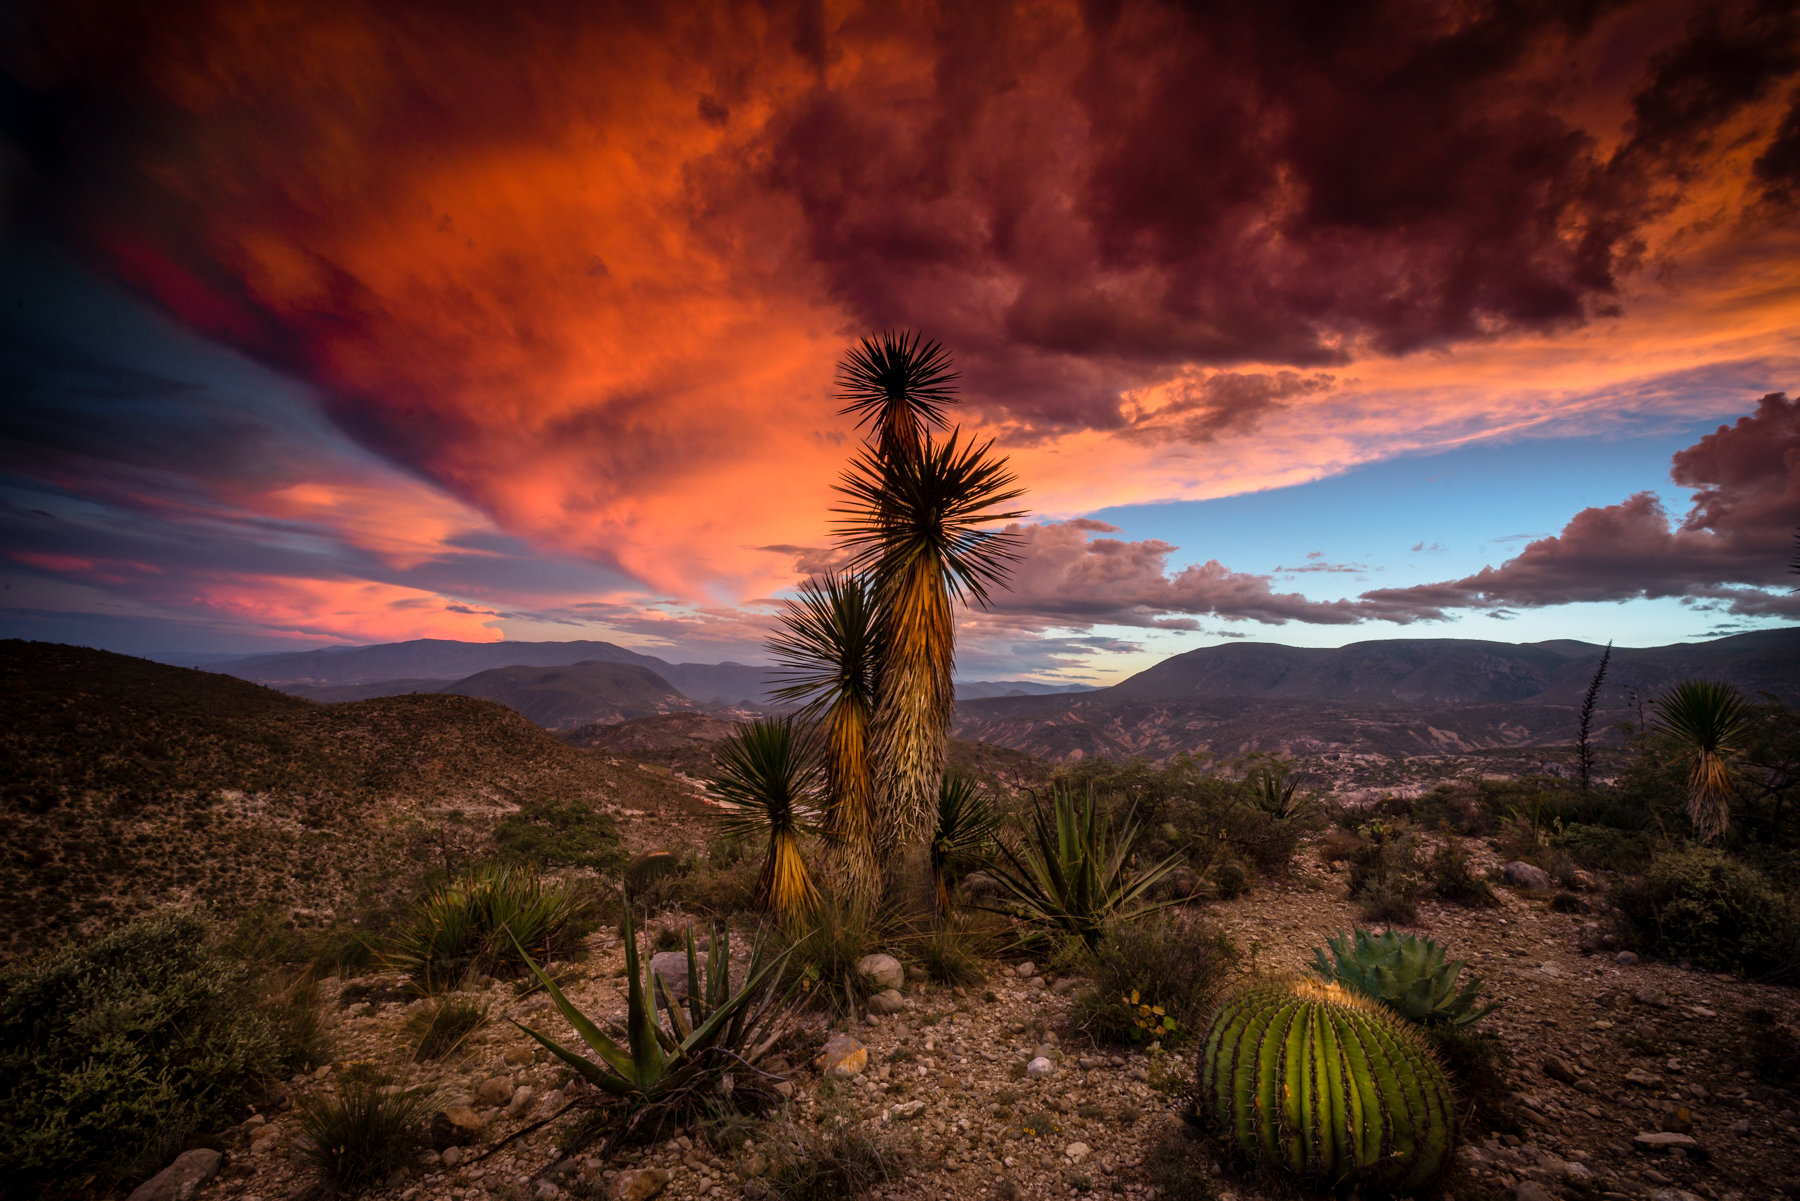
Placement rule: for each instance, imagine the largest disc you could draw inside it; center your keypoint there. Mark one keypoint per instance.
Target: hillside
(563, 698)
(127, 784)
(686, 742)
(1356, 715)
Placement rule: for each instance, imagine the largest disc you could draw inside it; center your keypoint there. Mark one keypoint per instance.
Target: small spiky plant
(1709, 721)
(829, 654)
(899, 385)
(966, 826)
(768, 772)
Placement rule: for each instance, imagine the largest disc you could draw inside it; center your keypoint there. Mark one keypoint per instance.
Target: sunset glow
(356, 322)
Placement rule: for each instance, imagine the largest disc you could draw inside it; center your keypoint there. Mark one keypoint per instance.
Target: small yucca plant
(354, 1139)
(444, 1024)
(966, 826)
(768, 772)
(1710, 722)
(470, 924)
(1073, 870)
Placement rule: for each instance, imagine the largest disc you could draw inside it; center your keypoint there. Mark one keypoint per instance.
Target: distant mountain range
(1393, 697)
(337, 674)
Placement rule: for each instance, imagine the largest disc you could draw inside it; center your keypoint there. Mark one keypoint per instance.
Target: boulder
(980, 884)
(1520, 874)
(1654, 998)
(183, 1178)
(1665, 1140)
(497, 1090)
(454, 1126)
(887, 1001)
(1039, 1068)
(842, 1056)
(640, 1184)
(671, 972)
(1529, 1190)
(1626, 959)
(905, 1111)
(521, 1102)
(1558, 1071)
(1077, 1151)
(1026, 970)
(883, 970)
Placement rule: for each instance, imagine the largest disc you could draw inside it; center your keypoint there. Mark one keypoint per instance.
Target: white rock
(905, 1111)
(1040, 1067)
(884, 970)
(1026, 970)
(1077, 1151)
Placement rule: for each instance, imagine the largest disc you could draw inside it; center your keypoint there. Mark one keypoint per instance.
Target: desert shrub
(1454, 808)
(1171, 961)
(355, 1138)
(1699, 904)
(1338, 845)
(1481, 1065)
(831, 1161)
(1605, 848)
(112, 1049)
(720, 888)
(547, 833)
(1266, 842)
(470, 925)
(824, 956)
(1180, 1165)
(1772, 1048)
(951, 956)
(1386, 873)
(1454, 880)
(444, 1023)
(1567, 902)
(1231, 879)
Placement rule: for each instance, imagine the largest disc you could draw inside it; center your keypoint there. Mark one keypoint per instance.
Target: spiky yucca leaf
(898, 384)
(1318, 1081)
(1710, 722)
(1274, 791)
(1404, 972)
(768, 771)
(966, 826)
(1072, 870)
(829, 653)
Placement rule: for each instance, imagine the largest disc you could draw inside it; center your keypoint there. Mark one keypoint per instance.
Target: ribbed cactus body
(1327, 1084)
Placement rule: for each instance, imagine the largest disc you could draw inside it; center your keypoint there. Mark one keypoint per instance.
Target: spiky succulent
(1311, 1078)
(1404, 972)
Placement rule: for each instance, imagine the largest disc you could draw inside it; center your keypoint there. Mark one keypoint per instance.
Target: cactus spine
(1318, 1080)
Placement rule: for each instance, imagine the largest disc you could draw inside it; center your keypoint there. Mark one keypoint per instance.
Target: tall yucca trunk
(912, 733)
(849, 826)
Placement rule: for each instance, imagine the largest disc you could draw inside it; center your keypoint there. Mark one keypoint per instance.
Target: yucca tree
(768, 771)
(899, 385)
(829, 655)
(1710, 722)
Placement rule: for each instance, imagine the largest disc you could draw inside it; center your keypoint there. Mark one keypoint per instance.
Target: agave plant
(1073, 870)
(1406, 973)
(1274, 791)
(1710, 722)
(708, 1048)
(1314, 1079)
(915, 522)
(966, 825)
(829, 653)
(767, 773)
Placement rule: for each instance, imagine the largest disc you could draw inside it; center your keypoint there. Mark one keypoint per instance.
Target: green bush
(1169, 961)
(111, 1050)
(1386, 873)
(1699, 904)
(548, 833)
(444, 1024)
(824, 956)
(354, 1139)
(469, 926)
(1454, 880)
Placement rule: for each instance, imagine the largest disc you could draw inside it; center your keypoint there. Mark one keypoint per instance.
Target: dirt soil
(1644, 1047)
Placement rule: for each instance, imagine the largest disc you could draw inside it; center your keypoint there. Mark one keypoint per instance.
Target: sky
(331, 322)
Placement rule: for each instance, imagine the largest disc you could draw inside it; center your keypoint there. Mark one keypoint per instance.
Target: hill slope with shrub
(128, 785)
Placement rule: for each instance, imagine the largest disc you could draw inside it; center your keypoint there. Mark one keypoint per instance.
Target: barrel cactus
(1325, 1083)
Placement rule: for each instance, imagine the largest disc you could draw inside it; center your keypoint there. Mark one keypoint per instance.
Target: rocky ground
(1632, 1078)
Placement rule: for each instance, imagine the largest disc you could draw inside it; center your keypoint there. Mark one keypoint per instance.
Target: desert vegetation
(843, 954)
